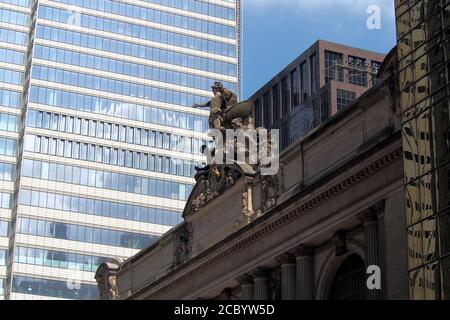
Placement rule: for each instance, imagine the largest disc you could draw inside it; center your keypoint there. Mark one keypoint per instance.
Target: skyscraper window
(107, 110)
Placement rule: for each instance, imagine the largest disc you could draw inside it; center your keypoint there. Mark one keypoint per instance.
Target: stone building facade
(335, 207)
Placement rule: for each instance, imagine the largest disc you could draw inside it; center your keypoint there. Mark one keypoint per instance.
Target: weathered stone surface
(220, 218)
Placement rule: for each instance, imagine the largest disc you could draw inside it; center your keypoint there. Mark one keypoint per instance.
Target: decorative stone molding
(106, 277)
(370, 215)
(210, 184)
(245, 279)
(271, 188)
(247, 208)
(285, 258)
(260, 272)
(203, 197)
(339, 238)
(247, 286)
(331, 265)
(303, 251)
(304, 208)
(228, 294)
(183, 244)
(275, 285)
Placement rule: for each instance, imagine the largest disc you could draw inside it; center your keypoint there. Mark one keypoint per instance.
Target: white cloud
(355, 6)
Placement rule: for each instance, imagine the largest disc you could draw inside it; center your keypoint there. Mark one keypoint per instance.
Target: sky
(275, 32)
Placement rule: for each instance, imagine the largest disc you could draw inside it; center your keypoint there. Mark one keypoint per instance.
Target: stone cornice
(287, 217)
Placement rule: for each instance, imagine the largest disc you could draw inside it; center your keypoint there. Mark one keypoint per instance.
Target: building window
(4, 226)
(306, 119)
(53, 288)
(357, 73)
(324, 108)
(332, 69)
(285, 136)
(374, 67)
(2, 287)
(316, 112)
(304, 81)
(267, 110)
(276, 103)
(3, 257)
(258, 113)
(285, 96)
(344, 98)
(295, 88)
(349, 282)
(313, 64)
(72, 232)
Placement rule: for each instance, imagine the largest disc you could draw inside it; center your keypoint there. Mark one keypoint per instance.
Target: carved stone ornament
(275, 285)
(216, 177)
(106, 277)
(340, 245)
(247, 211)
(271, 188)
(210, 184)
(183, 243)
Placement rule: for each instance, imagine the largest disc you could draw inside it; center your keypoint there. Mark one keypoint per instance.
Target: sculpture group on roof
(227, 115)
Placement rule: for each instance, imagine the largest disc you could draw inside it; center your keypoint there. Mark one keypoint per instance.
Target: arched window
(349, 282)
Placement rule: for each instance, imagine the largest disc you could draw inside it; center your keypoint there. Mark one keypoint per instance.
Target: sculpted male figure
(223, 98)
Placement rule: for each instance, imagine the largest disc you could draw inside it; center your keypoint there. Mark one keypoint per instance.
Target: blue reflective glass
(89, 177)
(134, 30)
(53, 288)
(135, 70)
(117, 46)
(73, 232)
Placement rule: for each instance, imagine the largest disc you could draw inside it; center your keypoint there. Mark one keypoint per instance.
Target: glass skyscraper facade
(423, 29)
(98, 139)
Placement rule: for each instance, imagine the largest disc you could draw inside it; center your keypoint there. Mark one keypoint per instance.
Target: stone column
(261, 279)
(370, 223)
(287, 263)
(305, 273)
(246, 282)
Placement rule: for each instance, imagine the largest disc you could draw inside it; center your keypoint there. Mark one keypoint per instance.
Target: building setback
(98, 140)
(324, 79)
